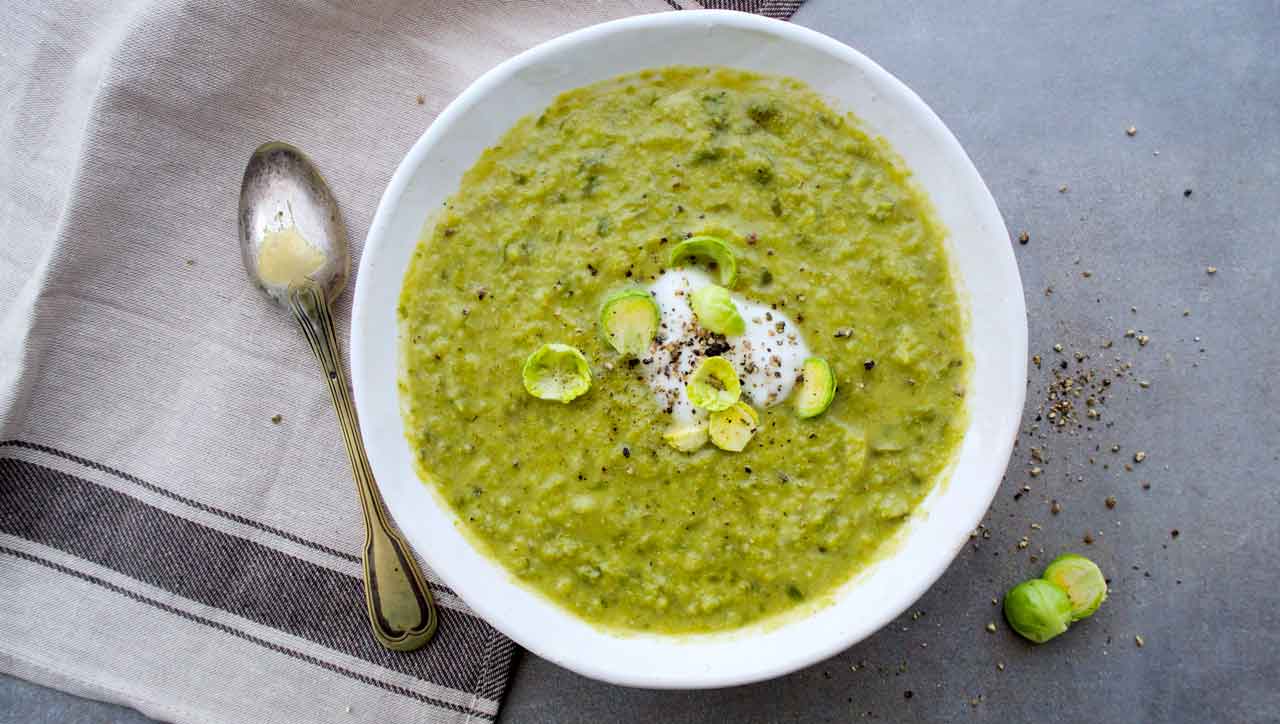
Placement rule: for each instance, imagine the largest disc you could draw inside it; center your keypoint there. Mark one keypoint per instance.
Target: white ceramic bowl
(979, 245)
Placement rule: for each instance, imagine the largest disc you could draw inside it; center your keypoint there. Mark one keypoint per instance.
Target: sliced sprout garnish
(716, 312)
(817, 389)
(1081, 579)
(687, 438)
(712, 249)
(1037, 609)
(629, 320)
(714, 385)
(556, 372)
(731, 429)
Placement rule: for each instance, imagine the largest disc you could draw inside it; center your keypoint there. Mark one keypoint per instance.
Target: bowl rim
(1000, 449)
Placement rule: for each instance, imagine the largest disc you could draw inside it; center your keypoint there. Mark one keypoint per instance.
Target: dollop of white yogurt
(768, 356)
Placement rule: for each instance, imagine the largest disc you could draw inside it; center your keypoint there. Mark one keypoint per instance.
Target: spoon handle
(401, 610)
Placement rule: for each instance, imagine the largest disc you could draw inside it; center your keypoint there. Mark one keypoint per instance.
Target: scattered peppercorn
(1110, 501)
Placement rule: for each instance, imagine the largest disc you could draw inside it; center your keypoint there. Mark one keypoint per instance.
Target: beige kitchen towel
(178, 527)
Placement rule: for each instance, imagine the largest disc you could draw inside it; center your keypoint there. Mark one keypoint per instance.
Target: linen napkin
(178, 527)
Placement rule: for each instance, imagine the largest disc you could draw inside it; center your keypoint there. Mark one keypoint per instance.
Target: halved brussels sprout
(1081, 579)
(711, 248)
(686, 438)
(715, 310)
(556, 372)
(629, 320)
(731, 429)
(1037, 609)
(714, 385)
(817, 389)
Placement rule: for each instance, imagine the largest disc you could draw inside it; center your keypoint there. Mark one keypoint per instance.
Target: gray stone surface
(1040, 95)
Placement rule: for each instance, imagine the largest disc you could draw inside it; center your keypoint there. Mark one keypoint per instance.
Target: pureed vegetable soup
(590, 502)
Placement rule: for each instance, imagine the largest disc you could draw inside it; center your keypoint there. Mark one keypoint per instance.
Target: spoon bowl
(282, 190)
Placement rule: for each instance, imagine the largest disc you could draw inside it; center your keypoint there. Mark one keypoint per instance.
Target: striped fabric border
(52, 499)
(780, 9)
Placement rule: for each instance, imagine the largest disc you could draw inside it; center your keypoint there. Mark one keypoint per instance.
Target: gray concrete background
(1040, 95)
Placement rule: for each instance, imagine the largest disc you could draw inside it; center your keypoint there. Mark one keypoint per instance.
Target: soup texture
(585, 501)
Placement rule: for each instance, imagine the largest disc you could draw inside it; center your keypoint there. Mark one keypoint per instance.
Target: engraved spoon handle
(401, 610)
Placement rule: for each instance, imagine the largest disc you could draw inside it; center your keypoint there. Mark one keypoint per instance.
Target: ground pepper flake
(277, 419)
(1132, 131)
(1023, 238)
(1110, 502)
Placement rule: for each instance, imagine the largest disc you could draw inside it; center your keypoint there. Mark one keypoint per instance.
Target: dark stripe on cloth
(242, 635)
(780, 9)
(251, 580)
(195, 503)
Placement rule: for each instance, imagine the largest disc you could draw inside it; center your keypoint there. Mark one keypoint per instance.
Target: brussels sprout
(731, 429)
(1081, 579)
(714, 386)
(712, 249)
(629, 320)
(686, 438)
(715, 310)
(556, 372)
(1037, 609)
(817, 389)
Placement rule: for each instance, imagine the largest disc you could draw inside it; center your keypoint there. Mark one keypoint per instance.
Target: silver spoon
(295, 248)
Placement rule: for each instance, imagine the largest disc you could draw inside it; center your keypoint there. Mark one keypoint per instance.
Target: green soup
(584, 501)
